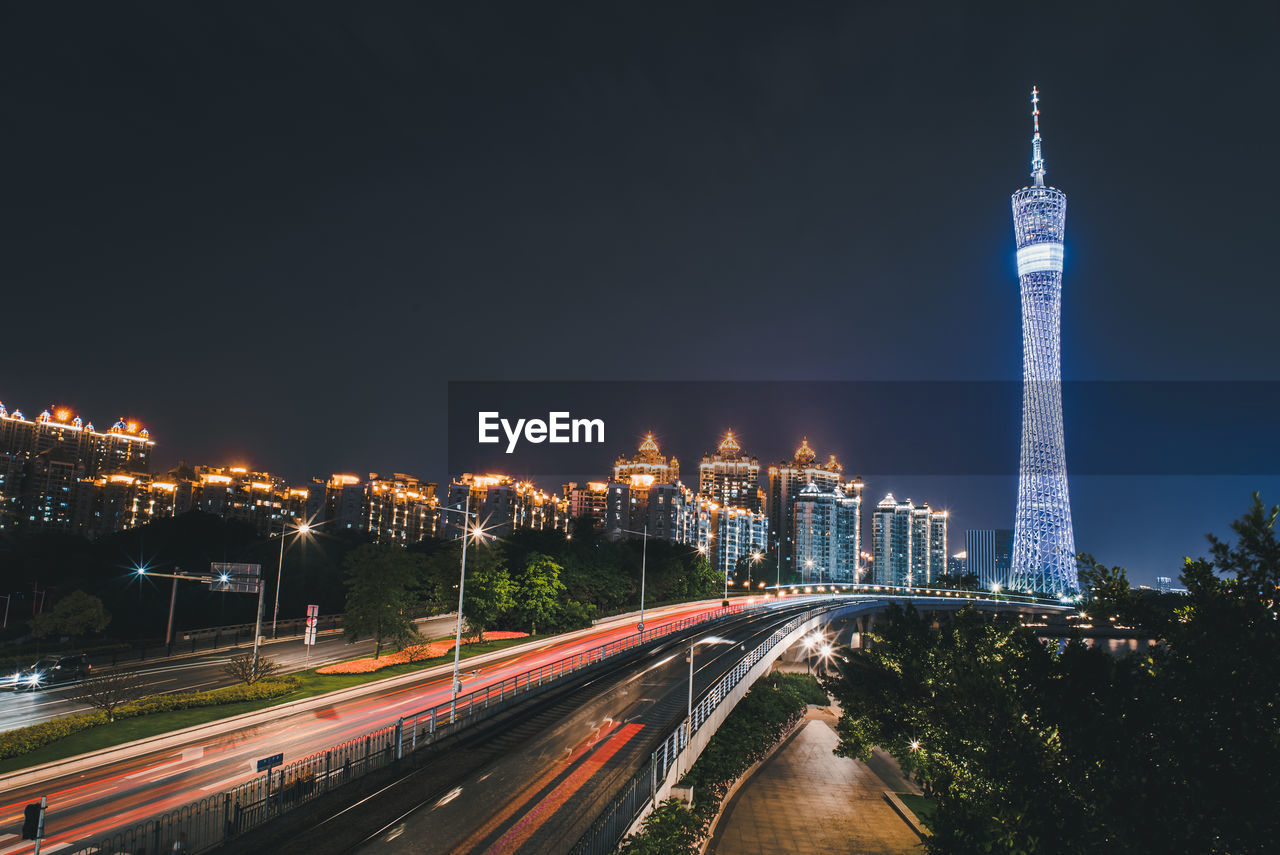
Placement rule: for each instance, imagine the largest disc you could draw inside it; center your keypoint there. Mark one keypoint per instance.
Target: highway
(538, 787)
(194, 672)
(88, 799)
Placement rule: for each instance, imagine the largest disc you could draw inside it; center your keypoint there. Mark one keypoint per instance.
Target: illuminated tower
(1044, 548)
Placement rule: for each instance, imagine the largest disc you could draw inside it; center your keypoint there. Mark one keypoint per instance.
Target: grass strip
(924, 808)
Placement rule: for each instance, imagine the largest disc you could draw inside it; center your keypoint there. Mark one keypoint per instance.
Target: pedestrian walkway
(805, 800)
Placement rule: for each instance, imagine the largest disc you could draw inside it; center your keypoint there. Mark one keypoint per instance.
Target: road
(99, 799)
(542, 785)
(199, 671)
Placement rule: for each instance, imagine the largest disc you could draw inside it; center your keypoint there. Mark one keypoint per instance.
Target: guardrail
(213, 820)
(607, 831)
(997, 594)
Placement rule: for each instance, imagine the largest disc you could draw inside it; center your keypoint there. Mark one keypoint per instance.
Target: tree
(109, 690)
(77, 614)
(381, 582)
(489, 592)
(1170, 748)
(247, 669)
(538, 591)
(1106, 589)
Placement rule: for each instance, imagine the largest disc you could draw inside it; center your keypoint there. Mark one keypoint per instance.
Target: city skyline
(344, 201)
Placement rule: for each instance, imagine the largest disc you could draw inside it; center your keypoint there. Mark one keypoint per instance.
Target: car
(51, 671)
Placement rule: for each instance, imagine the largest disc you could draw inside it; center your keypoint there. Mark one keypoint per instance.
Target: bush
(14, 743)
(759, 722)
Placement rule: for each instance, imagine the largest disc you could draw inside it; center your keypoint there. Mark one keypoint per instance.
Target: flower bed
(413, 653)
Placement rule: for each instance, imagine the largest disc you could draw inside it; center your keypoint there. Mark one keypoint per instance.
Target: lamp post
(644, 554)
(303, 528)
(467, 534)
(688, 733)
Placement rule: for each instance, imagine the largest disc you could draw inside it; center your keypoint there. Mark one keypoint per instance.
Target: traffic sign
(313, 617)
(235, 578)
(270, 762)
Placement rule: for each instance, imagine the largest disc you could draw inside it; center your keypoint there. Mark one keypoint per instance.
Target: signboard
(235, 578)
(313, 617)
(270, 762)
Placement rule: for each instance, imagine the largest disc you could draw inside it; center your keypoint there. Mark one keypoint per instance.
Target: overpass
(680, 750)
(227, 816)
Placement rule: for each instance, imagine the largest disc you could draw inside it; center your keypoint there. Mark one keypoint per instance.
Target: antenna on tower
(1037, 160)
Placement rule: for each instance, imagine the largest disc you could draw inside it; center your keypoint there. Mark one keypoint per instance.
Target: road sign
(235, 578)
(313, 617)
(270, 762)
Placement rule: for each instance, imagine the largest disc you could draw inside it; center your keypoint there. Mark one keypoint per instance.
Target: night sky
(274, 234)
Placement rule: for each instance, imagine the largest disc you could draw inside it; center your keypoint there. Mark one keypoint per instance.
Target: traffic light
(33, 821)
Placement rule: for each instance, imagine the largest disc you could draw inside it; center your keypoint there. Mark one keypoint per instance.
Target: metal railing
(606, 832)
(213, 820)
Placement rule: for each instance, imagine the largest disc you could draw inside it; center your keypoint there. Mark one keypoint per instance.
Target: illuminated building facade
(989, 556)
(43, 460)
(645, 493)
(400, 509)
(724, 534)
(504, 503)
(1044, 554)
(909, 543)
(786, 480)
(731, 478)
(826, 532)
(589, 499)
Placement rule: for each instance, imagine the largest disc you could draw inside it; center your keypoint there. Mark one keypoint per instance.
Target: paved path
(806, 801)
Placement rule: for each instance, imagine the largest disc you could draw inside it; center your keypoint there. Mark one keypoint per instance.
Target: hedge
(24, 739)
(762, 719)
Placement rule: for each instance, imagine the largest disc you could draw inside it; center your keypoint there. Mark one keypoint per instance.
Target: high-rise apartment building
(43, 460)
(644, 494)
(724, 534)
(786, 480)
(826, 532)
(909, 543)
(731, 478)
(589, 499)
(400, 509)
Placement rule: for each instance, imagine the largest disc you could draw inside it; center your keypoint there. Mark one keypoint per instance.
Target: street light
(179, 576)
(711, 639)
(644, 553)
(302, 529)
(756, 557)
(468, 533)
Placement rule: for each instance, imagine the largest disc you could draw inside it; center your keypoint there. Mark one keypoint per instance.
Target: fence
(606, 832)
(211, 821)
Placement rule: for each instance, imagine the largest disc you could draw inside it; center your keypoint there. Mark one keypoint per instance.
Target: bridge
(609, 712)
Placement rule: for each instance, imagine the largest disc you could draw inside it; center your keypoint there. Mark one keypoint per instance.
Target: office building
(989, 556)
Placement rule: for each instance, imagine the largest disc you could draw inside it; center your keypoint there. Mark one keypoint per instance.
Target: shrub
(759, 722)
(14, 743)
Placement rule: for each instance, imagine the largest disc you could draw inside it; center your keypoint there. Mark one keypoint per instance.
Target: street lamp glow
(915, 745)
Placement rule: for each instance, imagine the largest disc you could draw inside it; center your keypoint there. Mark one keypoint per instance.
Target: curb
(912, 821)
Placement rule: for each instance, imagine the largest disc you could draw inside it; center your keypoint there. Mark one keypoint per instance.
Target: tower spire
(1037, 159)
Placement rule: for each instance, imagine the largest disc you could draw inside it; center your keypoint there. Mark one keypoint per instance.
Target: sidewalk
(806, 801)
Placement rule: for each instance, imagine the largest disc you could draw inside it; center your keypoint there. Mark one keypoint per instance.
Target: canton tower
(1044, 550)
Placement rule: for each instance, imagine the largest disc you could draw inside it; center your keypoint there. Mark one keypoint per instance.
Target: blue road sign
(270, 762)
